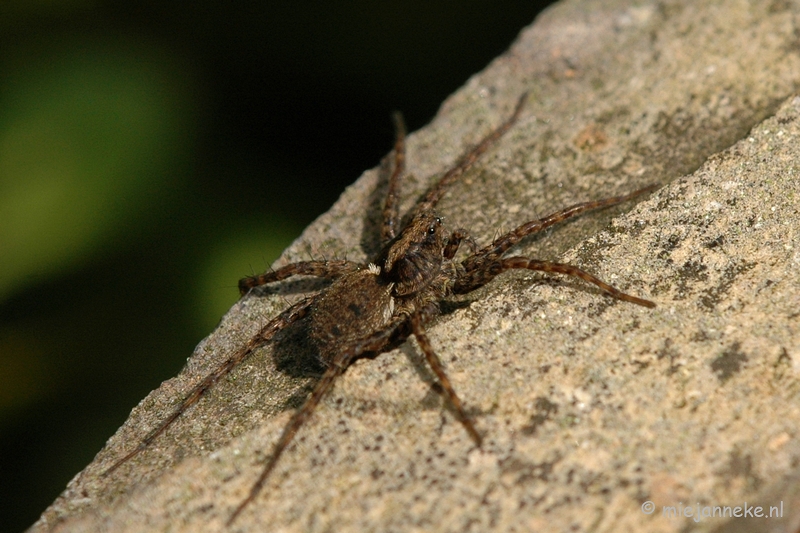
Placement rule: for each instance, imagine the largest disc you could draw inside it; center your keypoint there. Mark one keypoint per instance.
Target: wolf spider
(369, 309)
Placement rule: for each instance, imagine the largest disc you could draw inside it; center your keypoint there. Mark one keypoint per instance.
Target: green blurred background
(151, 154)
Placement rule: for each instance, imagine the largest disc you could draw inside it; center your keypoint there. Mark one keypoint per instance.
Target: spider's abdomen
(352, 308)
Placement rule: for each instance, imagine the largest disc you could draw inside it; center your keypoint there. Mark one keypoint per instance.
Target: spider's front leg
(428, 202)
(484, 265)
(465, 162)
(482, 273)
(391, 216)
(501, 244)
(321, 269)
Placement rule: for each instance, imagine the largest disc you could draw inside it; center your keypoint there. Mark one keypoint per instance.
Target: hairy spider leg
(432, 197)
(391, 215)
(321, 269)
(504, 242)
(485, 273)
(289, 316)
(484, 265)
(436, 365)
(300, 416)
(394, 332)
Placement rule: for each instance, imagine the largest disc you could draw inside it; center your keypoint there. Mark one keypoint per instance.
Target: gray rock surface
(590, 407)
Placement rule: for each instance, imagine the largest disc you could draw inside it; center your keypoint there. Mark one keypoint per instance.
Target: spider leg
(391, 216)
(436, 365)
(292, 314)
(378, 341)
(485, 272)
(322, 387)
(504, 242)
(466, 161)
(320, 269)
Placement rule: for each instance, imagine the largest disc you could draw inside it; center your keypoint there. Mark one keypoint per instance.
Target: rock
(591, 409)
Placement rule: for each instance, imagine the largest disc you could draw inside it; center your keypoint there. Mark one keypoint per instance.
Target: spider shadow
(295, 356)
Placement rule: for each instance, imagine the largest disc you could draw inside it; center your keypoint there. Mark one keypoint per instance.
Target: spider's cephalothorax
(368, 309)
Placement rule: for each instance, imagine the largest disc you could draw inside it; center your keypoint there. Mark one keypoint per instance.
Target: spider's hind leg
(322, 387)
(392, 333)
(286, 318)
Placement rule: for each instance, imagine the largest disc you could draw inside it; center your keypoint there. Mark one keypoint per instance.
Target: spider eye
(432, 228)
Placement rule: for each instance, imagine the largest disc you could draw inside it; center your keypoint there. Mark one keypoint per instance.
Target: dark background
(151, 153)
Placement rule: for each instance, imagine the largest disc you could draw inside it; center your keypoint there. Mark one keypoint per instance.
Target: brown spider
(369, 309)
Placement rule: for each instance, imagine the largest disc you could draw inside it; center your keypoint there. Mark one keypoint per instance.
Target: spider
(370, 309)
